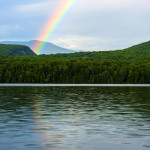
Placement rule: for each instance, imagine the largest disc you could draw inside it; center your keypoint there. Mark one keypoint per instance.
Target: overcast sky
(89, 25)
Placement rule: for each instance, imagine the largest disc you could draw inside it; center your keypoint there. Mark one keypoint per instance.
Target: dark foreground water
(74, 118)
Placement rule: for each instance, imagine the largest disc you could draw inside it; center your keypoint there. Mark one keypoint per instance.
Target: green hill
(15, 50)
(140, 51)
(131, 65)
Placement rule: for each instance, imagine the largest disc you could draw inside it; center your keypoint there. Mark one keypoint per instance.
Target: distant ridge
(137, 51)
(49, 48)
(141, 46)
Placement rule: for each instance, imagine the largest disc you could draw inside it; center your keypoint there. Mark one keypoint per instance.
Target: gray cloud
(91, 25)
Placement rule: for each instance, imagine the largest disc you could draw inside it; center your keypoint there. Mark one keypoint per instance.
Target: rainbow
(52, 24)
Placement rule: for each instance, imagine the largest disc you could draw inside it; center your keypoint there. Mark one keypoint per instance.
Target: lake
(34, 117)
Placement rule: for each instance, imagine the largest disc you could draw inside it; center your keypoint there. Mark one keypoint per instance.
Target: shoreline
(74, 85)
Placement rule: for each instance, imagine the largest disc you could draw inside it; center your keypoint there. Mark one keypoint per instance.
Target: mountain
(49, 48)
(131, 65)
(15, 50)
(143, 47)
(135, 52)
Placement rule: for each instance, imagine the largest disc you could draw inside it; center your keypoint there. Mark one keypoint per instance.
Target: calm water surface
(74, 118)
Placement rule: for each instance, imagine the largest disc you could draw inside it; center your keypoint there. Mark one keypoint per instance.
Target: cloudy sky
(89, 25)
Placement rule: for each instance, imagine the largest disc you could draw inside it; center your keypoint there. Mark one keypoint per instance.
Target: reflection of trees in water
(53, 110)
(16, 101)
(82, 97)
(55, 98)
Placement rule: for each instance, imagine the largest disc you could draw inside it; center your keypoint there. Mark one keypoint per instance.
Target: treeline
(73, 70)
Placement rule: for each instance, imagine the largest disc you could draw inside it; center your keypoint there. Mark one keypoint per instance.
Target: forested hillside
(130, 65)
(15, 50)
(49, 48)
(84, 70)
(140, 51)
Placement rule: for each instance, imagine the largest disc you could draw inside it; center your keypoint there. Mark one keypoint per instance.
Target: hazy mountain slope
(15, 50)
(49, 48)
(137, 51)
(143, 46)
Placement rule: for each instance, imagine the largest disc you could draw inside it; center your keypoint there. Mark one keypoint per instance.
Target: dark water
(74, 118)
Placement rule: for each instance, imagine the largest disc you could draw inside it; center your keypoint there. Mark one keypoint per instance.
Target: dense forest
(130, 65)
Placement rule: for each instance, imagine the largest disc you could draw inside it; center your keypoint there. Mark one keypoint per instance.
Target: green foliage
(130, 65)
(15, 50)
(141, 51)
(74, 70)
